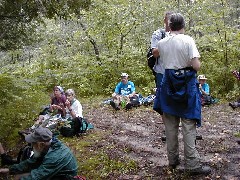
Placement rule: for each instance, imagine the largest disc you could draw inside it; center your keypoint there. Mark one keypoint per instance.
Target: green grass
(92, 153)
(237, 135)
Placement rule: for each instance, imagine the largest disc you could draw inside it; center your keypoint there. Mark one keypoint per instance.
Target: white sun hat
(202, 76)
(124, 75)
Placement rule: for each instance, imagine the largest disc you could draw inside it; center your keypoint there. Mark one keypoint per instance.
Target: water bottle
(123, 103)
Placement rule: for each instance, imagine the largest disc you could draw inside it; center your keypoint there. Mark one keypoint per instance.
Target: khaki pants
(191, 156)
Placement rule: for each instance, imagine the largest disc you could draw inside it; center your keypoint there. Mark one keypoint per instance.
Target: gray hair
(70, 92)
(176, 22)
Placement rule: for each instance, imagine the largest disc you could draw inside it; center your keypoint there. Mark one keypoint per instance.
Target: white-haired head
(70, 92)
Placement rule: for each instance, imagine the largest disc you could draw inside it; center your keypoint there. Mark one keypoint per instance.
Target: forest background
(85, 45)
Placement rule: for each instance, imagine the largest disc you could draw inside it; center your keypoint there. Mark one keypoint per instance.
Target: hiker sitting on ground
(73, 106)
(124, 91)
(204, 88)
(58, 100)
(235, 104)
(51, 159)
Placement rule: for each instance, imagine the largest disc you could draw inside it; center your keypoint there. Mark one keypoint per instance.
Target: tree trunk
(92, 41)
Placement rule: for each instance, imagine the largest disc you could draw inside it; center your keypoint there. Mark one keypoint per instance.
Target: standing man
(158, 67)
(180, 96)
(157, 36)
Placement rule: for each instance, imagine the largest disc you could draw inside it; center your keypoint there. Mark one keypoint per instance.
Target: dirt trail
(137, 135)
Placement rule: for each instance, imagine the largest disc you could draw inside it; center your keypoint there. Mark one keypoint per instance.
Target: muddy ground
(137, 135)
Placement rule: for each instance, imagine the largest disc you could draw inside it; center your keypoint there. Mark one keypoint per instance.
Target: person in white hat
(203, 86)
(123, 92)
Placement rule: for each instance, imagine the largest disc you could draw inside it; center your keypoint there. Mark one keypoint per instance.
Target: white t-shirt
(177, 51)
(77, 108)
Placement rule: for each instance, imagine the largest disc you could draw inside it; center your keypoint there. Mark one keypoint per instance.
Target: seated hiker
(73, 106)
(235, 104)
(58, 100)
(51, 160)
(124, 91)
(204, 88)
(75, 124)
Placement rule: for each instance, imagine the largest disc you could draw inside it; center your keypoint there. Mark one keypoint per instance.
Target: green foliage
(20, 18)
(19, 106)
(218, 42)
(237, 134)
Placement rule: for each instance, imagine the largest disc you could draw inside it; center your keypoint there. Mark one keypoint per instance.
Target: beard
(38, 153)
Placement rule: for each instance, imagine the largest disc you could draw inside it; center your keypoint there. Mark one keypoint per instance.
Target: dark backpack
(150, 59)
(25, 153)
(77, 126)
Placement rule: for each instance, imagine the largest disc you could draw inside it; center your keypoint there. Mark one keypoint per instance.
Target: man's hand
(4, 170)
(54, 106)
(130, 95)
(155, 52)
(68, 104)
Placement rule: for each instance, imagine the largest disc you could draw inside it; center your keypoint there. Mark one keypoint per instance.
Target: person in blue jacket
(124, 91)
(51, 159)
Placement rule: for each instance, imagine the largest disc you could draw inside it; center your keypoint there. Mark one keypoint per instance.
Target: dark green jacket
(57, 163)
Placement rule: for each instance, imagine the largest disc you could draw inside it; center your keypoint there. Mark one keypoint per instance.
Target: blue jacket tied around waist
(179, 94)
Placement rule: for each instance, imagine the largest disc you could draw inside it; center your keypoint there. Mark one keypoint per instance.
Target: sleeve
(133, 89)
(156, 36)
(117, 89)
(46, 170)
(206, 89)
(24, 166)
(77, 108)
(193, 51)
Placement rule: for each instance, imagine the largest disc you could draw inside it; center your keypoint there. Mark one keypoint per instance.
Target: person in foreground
(51, 160)
(180, 95)
(124, 91)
